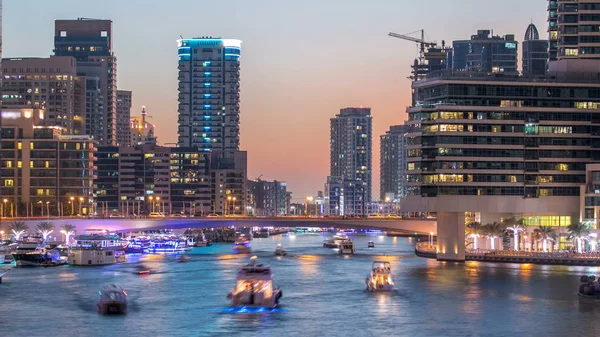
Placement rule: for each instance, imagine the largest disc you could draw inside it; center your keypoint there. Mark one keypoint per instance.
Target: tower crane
(422, 43)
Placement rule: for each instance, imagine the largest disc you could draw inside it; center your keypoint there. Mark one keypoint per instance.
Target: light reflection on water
(323, 294)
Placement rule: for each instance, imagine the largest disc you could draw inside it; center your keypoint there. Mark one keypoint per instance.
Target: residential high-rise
(209, 93)
(268, 198)
(351, 146)
(50, 84)
(485, 52)
(535, 53)
(42, 169)
(573, 29)
(89, 41)
(345, 197)
(123, 117)
(94, 108)
(393, 161)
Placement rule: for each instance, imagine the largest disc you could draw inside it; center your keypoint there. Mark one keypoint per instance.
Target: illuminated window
(77, 146)
(19, 164)
(571, 51)
(513, 179)
(9, 164)
(123, 197)
(30, 164)
(47, 164)
(544, 192)
(31, 146)
(553, 35)
(411, 166)
(19, 145)
(9, 183)
(562, 167)
(40, 191)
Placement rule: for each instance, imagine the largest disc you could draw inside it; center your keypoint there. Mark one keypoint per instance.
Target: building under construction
(142, 132)
(432, 58)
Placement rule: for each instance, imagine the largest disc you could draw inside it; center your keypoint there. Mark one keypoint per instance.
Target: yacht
(33, 254)
(96, 250)
(335, 241)
(241, 247)
(198, 241)
(380, 278)
(113, 300)
(279, 251)
(347, 247)
(254, 287)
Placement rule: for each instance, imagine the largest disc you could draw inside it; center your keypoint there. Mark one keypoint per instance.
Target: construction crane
(422, 43)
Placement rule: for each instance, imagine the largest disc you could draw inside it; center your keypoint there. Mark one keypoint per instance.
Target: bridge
(408, 226)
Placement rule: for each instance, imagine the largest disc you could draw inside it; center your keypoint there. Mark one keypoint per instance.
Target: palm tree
(578, 232)
(67, 230)
(545, 234)
(493, 231)
(18, 228)
(515, 226)
(45, 228)
(474, 232)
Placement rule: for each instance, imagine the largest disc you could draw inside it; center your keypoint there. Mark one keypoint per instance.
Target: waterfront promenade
(425, 250)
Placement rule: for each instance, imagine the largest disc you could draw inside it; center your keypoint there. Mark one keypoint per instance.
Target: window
(31, 146)
(19, 145)
(570, 52)
(9, 164)
(9, 183)
(19, 164)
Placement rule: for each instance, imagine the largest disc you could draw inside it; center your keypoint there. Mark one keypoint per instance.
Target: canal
(323, 295)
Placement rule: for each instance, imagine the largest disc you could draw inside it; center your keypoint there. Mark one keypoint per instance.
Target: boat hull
(595, 296)
(29, 260)
(112, 308)
(255, 301)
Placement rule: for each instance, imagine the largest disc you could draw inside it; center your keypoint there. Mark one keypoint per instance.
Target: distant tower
(142, 132)
(535, 53)
(123, 117)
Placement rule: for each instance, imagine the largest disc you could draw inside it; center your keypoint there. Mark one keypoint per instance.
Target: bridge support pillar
(451, 236)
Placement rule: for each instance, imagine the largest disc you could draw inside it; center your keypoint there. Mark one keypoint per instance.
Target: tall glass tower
(209, 93)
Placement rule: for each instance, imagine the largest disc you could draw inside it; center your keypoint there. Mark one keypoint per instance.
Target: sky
(302, 61)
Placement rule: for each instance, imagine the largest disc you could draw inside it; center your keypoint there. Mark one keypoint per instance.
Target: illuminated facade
(209, 93)
(50, 84)
(485, 53)
(351, 146)
(89, 41)
(142, 131)
(573, 29)
(41, 168)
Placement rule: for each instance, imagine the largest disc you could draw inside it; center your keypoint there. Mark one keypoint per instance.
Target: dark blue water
(323, 295)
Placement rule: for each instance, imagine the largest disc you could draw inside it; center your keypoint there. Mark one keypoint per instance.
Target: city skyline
(278, 71)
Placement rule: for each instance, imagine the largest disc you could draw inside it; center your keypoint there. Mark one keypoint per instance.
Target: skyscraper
(351, 144)
(393, 161)
(573, 29)
(123, 117)
(486, 53)
(90, 42)
(209, 93)
(535, 53)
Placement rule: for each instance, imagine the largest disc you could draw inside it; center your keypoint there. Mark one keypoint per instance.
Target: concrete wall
(451, 236)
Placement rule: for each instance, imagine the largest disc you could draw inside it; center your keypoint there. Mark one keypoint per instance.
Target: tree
(578, 232)
(545, 234)
(475, 229)
(68, 230)
(516, 226)
(45, 228)
(493, 231)
(18, 228)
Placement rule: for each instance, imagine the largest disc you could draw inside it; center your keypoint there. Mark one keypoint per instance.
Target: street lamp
(48, 208)
(158, 202)
(72, 205)
(227, 204)
(80, 204)
(41, 207)
(431, 239)
(151, 203)
(4, 208)
(233, 206)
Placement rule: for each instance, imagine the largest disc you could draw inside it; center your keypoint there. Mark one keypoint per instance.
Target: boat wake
(250, 310)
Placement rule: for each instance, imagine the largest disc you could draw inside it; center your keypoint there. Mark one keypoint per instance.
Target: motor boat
(241, 247)
(254, 287)
(589, 287)
(113, 300)
(279, 251)
(371, 244)
(335, 241)
(380, 278)
(96, 249)
(183, 258)
(32, 254)
(347, 247)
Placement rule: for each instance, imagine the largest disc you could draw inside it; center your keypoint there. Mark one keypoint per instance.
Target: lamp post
(233, 206)
(431, 239)
(80, 205)
(41, 207)
(158, 203)
(151, 202)
(48, 208)
(4, 208)
(227, 205)
(72, 205)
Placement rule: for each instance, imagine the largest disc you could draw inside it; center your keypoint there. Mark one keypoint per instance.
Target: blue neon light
(206, 95)
(206, 117)
(207, 84)
(207, 128)
(206, 106)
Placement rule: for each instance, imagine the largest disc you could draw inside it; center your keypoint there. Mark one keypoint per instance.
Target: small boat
(241, 247)
(113, 300)
(279, 251)
(144, 272)
(254, 287)
(335, 242)
(380, 278)
(589, 288)
(183, 258)
(347, 247)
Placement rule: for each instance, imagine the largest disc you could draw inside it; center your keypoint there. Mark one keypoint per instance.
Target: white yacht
(335, 241)
(254, 287)
(113, 300)
(347, 247)
(279, 251)
(380, 278)
(96, 250)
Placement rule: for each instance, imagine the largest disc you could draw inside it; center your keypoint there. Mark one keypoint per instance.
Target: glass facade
(485, 53)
